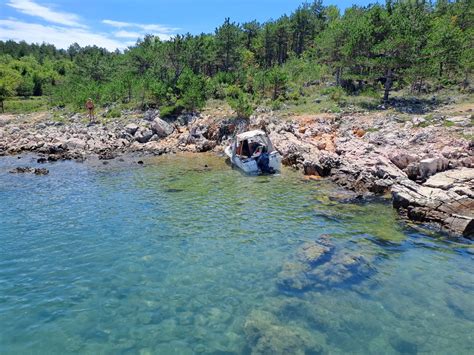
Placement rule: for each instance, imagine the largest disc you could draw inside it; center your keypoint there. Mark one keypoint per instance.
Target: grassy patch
(311, 107)
(469, 137)
(372, 129)
(25, 105)
(114, 112)
(58, 117)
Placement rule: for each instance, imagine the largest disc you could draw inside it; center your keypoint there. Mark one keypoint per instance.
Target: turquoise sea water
(174, 257)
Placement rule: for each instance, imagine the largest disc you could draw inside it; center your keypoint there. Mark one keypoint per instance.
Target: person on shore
(90, 109)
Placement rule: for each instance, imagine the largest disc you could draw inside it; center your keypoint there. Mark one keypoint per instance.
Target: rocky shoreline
(426, 163)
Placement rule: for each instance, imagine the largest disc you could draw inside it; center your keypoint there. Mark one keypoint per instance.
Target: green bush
(335, 93)
(25, 105)
(370, 91)
(239, 101)
(114, 112)
(276, 105)
(170, 110)
(192, 89)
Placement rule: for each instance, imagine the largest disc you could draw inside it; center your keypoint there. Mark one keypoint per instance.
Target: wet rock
(29, 170)
(205, 145)
(106, 155)
(321, 165)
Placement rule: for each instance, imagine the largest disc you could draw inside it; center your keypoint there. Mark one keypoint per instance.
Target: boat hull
(250, 166)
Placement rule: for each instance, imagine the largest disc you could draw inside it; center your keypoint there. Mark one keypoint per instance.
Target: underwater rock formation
(265, 334)
(318, 264)
(29, 170)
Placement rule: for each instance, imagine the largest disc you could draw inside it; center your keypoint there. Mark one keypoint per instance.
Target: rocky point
(426, 168)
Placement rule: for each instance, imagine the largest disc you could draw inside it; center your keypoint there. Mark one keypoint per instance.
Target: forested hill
(412, 45)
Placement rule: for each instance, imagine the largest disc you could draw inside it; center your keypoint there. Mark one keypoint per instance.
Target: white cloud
(127, 34)
(31, 8)
(161, 31)
(116, 23)
(64, 28)
(61, 37)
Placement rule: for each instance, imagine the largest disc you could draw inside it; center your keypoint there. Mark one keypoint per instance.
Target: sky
(118, 24)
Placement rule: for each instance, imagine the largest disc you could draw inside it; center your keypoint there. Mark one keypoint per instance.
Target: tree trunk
(338, 76)
(388, 85)
(420, 85)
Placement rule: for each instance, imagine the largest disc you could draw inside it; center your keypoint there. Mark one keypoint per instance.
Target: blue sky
(119, 23)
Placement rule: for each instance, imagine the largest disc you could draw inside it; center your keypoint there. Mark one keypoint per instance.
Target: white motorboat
(253, 153)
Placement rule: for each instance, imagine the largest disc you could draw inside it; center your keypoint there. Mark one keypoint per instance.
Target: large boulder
(161, 128)
(205, 145)
(75, 143)
(143, 135)
(452, 178)
(445, 200)
(131, 128)
(431, 166)
(402, 160)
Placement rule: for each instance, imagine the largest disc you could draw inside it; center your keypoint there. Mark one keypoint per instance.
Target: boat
(253, 153)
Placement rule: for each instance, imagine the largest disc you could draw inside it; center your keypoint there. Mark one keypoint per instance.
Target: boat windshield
(253, 146)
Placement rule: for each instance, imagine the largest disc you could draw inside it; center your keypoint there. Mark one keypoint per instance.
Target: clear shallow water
(172, 257)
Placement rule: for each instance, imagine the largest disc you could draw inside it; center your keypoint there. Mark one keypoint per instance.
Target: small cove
(184, 255)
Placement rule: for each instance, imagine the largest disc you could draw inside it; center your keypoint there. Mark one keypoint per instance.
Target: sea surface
(183, 255)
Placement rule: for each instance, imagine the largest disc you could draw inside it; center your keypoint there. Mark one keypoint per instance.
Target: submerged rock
(314, 252)
(29, 170)
(318, 264)
(293, 276)
(344, 267)
(265, 334)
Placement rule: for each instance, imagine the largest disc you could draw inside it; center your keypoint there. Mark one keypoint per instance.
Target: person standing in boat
(90, 109)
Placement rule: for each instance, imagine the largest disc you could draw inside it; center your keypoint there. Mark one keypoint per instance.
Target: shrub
(114, 112)
(276, 105)
(239, 101)
(193, 91)
(170, 110)
(335, 93)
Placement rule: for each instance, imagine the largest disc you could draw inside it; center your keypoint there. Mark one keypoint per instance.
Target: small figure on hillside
(90, 109)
